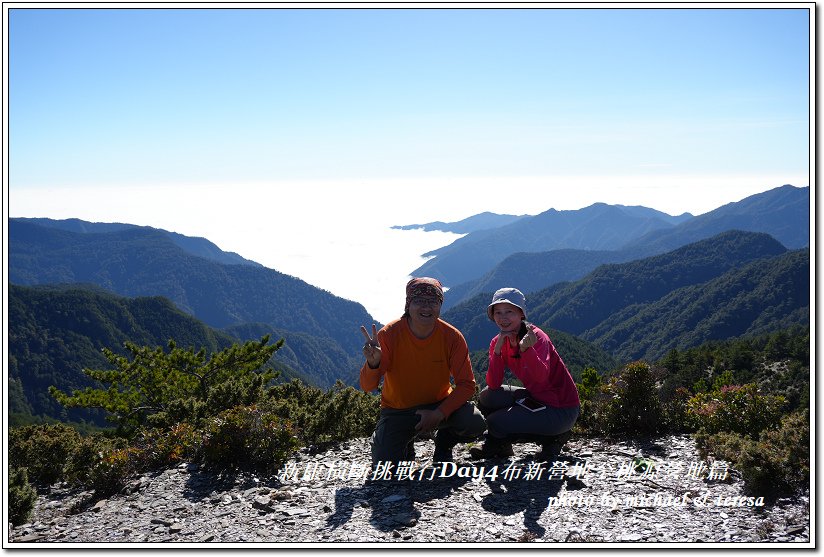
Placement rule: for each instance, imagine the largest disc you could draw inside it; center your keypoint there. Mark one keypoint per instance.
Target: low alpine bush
(738, 409)
(325, 416)
(21, 496)
(777, 462)
(245, 437)
(628, 403)
(43, 450)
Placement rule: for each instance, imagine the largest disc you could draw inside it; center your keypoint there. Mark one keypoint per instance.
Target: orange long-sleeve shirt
(416, 371)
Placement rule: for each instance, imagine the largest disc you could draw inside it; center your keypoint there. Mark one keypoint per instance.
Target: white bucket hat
(507, 296)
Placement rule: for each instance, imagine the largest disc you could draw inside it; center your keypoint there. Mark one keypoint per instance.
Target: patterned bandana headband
(423, 286)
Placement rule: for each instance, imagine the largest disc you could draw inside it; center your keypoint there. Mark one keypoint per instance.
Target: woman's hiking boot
(492, 448)
(551, 447)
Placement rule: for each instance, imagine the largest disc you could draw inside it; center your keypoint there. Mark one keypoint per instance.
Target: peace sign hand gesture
(372, 347)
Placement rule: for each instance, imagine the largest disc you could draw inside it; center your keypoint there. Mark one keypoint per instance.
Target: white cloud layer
(337, 235)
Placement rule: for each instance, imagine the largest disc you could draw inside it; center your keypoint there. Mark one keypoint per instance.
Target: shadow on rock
(392, 502)
(522, 486)
(204, 483)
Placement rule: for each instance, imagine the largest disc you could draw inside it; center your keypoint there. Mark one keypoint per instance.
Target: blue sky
(242, 125)
(135, 96)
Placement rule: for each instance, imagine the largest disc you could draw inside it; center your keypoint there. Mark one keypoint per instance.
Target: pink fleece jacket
(540, 369)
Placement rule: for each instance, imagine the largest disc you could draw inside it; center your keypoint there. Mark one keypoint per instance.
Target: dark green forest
(57, 331)
(763, 296)
(584, 304)
(778, 363)
(732, 285)
(147, 262)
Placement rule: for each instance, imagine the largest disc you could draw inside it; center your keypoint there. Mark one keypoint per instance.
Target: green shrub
(21, 496)
(724, 380)
(590, 382)
(248, 438)
(676, 419)
(98, 463)
(588, 392)
(777, 463)
(56, 452)
(161, 447)
(348, 413)
(628, 403)
(735, 408)
(43, 450)
(156, 388)
(111, 470)
(257, 436)
(325, 416)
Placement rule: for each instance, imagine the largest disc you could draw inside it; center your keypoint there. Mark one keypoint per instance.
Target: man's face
(424, 310)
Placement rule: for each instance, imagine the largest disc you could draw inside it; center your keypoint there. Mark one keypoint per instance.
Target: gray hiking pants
(506, 419)
(396, 430)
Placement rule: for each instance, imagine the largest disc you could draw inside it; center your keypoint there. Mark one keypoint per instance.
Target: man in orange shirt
(416, 355)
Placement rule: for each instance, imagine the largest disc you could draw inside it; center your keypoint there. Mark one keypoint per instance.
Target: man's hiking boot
(442, 454)
(551, 447)
(492, 448)
(409, 455)
(445, 440)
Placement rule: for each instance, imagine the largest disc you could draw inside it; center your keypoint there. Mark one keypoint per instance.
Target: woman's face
(507, 317)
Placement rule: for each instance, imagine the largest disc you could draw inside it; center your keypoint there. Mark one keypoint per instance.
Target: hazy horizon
(329, 260)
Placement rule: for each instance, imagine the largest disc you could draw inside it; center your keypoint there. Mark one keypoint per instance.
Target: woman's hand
(499, 344)
(503, 336)
(529, 340)
(372, 347)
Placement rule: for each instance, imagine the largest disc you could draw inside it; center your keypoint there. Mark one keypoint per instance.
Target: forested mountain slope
(738, 283)
(146, 262)
(56, 332)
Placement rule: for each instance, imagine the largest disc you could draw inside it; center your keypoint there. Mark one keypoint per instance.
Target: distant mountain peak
(630, 231)
(481, 221)
(193, 245)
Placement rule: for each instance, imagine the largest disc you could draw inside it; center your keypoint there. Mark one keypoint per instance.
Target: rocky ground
(655, 491)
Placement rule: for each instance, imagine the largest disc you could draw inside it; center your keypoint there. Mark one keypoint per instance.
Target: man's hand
(372, 347)
(430, 419)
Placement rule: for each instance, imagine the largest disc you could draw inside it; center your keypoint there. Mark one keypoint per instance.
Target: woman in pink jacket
(546, 407)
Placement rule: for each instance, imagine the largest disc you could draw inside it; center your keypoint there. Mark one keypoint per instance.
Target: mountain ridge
(56, 331)
(481, 221)
(743, 301)
(782, 212)
(200, 247)
(597, 227)
(146, 262)
(617, 292)
(618, 285)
